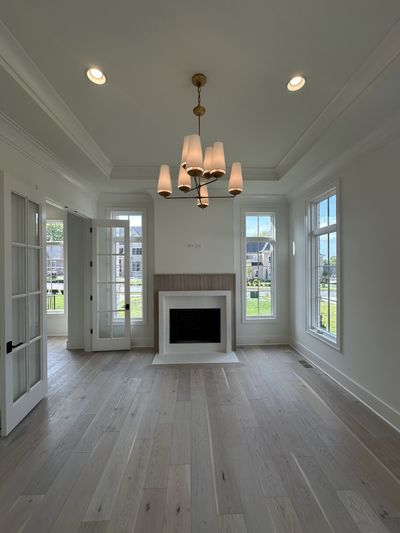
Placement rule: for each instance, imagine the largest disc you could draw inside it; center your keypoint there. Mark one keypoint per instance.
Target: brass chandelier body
(203, 172)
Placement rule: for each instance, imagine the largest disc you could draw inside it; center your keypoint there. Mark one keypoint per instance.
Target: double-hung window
(323, 267)
(137, 267)
(259, 244)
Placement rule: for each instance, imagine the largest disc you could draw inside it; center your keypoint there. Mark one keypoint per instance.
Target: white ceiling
(150, 49)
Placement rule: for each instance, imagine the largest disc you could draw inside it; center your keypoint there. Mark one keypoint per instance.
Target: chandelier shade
(185, 151)
(218, 167)
(196, 173)
(235, 186)
(194, 163)
(184, 180)
(164, 181)
(208, 157)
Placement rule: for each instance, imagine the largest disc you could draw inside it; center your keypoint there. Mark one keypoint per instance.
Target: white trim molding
(18, 139)
(385, 411)
(137, 172)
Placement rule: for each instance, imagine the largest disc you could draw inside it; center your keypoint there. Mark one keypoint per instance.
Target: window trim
(273, 316)
(311, 234)
(143, 212)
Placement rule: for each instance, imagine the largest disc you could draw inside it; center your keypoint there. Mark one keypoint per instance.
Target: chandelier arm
(208, 182)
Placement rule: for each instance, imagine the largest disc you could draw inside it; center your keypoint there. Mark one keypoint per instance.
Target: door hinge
(91, 263)
(91, 298)
(91, 331)
(127, 307)
(91, 230)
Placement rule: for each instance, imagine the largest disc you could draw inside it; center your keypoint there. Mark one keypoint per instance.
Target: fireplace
(194, 325)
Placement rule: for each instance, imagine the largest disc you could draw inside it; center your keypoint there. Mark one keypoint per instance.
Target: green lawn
(136, 307)
(324, 316)
(253, 309)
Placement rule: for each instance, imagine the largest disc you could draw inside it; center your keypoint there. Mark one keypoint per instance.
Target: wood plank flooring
(263, 446)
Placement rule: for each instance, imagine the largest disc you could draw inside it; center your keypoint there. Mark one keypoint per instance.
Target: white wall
(369, 364)
(189, 240)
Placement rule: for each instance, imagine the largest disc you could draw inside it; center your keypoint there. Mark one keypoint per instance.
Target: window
(259, 266)
(136, 259)
(55, 266)
(323, 271)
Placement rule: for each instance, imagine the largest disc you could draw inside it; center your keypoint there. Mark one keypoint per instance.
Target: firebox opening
(194, 326)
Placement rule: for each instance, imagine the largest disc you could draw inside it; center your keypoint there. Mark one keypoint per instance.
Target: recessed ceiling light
(96, 76)
(296, 83)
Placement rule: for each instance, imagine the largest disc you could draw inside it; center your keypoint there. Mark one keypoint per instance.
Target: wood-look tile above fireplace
(194, 282)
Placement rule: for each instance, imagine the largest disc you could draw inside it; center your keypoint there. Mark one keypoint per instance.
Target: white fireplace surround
(195, 352)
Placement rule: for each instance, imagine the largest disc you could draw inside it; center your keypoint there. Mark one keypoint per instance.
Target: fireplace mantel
(194, 299)
(194, 282)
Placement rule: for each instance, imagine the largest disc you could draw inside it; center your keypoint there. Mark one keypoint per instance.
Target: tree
(54, 232)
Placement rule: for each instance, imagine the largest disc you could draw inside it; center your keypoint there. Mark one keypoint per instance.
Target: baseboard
(138, 342)
(72, 346)
(388, 413)
(251, 340)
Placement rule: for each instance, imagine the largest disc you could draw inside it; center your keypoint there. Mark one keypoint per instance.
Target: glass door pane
(19, 374)
(34, 269)
(33, 224)
(19, 320)
(34, 362)
(18, 269)
(18, 229)
(34, 316)
(110, 282)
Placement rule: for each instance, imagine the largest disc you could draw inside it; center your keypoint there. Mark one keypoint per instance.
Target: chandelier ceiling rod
(203, 171)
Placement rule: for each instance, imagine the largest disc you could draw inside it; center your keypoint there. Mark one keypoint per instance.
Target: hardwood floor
(264, 446)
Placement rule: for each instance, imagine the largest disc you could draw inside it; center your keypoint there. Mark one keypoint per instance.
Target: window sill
(259, 319)
(325, 337)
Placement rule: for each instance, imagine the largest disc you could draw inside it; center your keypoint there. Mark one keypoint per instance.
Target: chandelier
(196, 173)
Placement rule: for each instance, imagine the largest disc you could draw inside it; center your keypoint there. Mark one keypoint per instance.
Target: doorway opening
(56, 272)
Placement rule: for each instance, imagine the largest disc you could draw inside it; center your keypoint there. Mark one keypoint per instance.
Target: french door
(111, 285)
(23, 369)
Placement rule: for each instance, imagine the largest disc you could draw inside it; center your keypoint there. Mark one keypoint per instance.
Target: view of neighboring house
(259, 260)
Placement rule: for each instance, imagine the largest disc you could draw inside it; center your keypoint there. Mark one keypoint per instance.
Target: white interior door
(23, 371)
(111, 289)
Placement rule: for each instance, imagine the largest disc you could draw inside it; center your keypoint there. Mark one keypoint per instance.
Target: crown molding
(15, 60)
(382, 135)
(376, 63)
(137, 172)
(17, 138)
